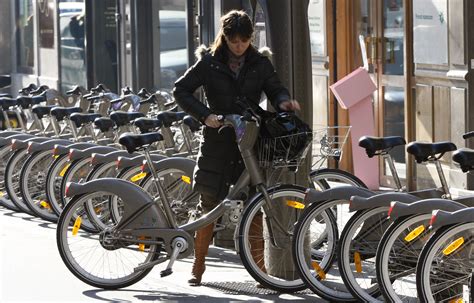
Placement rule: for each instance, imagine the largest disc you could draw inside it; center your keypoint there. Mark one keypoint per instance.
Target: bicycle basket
(328, 141)
(284, 140)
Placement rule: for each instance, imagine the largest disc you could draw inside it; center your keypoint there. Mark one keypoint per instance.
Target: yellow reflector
(319, 270)
(98, 210)
(55, 156)
(63, 171)
(458, 300)
(453, 246)
(2, 194)
(138, 177)
(77, 225)
(357, 261)
(415, 233)
(186, 179)
(295, 204)
(45, 204)
(141, 246)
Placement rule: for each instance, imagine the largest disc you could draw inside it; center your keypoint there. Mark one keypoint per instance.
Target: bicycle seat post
(389, 160)
(163, 197)
(442, 178)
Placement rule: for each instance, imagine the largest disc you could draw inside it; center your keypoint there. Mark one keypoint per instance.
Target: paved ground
(31, 270)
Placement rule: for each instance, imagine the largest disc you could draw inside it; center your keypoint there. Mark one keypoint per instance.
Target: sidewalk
(31, 270)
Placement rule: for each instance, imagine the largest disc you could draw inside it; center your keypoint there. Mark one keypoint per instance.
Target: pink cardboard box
(354, 93)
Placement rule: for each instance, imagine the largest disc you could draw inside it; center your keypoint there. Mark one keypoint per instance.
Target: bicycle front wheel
(327, 178)
(265, 238)
(100, 259)
(444, 269)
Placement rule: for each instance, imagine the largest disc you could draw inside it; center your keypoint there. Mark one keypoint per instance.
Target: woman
(233, 73)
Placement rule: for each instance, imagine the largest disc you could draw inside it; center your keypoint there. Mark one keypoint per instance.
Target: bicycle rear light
(392, 205)
(433, 217)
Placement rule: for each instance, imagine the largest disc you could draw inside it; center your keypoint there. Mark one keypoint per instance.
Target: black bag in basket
(283, 136)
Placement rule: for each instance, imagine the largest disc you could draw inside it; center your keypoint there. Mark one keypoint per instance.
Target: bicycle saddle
(25, 101)
(134, 142)
(79, 118)
(376, 145)
(42, 110)
(169, 117)
(6, 103)
(147, 124)
(427, 151)
(61, 112)
(193, 124)
(465, 158)
(76, 91)
(104, 124)
(124, 118)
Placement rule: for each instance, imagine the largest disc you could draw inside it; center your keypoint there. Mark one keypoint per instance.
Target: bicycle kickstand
(179, 245)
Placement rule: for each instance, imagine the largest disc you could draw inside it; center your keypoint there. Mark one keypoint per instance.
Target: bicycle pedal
(166, 272)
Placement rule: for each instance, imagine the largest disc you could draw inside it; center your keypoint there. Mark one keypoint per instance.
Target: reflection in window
(25, 25)
(394, 118)
(260, 31)
(172, 42)
(71, 37)
(393, 37)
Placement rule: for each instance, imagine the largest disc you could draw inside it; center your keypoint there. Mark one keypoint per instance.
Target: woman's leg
(202, 241)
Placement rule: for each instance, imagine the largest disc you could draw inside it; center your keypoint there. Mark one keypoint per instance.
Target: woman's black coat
(219, 161)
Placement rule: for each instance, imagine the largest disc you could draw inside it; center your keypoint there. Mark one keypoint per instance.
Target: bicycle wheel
(32, 182)
(356, 252)
(444, 271)
(177, 184)
(397, 256)
(326, 178)
(12, 180)
(321, 274)
(4, 199)
(265, 249)
(53, 182)
(99, 259)
(77, 172)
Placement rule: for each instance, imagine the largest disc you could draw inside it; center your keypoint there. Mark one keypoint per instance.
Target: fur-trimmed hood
(202, 50)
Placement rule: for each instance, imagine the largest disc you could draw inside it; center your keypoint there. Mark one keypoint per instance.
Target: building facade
(419, 54)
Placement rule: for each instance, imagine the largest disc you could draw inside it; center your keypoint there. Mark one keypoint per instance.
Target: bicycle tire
(289, 284)
(12, 172)
(53, 182)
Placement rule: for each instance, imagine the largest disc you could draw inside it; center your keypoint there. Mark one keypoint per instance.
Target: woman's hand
(213, 121)
(290, 105)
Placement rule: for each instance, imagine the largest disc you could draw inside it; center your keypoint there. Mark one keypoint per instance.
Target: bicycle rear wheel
(397, 257)
(327, 178)
(444, 270)
(99, 259)
(264, 248)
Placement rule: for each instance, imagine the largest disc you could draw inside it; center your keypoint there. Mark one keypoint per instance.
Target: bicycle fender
(36, 146)
(23, 144)
(337, 193)
(425, 206)
(8, 140)
(124, 162)
(60, 149)
(110, 157)
(134, 198)
(76, 154)
(185, 164)
(380, 200)
(9, 133)
(443, 218)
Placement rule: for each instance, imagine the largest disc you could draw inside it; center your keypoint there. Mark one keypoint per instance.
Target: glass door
(382, 23)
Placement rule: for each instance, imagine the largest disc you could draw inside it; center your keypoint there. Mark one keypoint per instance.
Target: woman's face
(238, 45)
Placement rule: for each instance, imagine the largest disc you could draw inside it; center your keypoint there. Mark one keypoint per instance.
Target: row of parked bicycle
(89, 169)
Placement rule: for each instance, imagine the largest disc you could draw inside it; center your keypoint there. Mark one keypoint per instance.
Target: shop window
(71, 42)
(25, 22)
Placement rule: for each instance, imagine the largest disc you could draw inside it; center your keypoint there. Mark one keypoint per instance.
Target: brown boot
(257, 243)
(201, 246)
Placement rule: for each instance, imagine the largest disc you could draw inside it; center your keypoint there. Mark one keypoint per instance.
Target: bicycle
(160, 231)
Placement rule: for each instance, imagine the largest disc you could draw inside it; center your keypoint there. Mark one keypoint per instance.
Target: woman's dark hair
(233, 24)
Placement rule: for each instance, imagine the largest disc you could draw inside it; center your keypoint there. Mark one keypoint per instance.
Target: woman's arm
(272, 86)
(185, 87)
